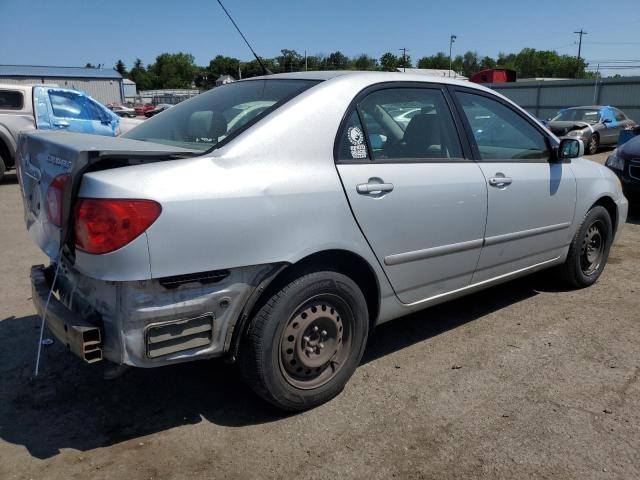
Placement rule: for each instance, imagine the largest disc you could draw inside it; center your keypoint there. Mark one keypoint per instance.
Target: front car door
(75, 112)
(414, 191)
(531, 198)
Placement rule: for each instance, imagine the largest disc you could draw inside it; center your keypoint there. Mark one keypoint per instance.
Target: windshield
(578, 115)
(207, 119)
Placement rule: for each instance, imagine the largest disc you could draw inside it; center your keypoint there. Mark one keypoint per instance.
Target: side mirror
(570, 148)
(607, 120)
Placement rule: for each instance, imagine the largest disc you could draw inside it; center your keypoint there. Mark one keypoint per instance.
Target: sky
(74, 32)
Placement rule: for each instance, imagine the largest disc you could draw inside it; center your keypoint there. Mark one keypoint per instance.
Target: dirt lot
(547, 388)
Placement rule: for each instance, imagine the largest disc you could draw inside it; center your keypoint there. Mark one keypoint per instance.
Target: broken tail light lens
(54, 198)
(105, 225)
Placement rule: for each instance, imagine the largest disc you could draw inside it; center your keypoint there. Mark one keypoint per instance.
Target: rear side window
(500, 132)
(409, 124)
(11, 100)
(352, 145)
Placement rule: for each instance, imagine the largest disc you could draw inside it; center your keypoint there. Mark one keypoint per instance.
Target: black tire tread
(255, 341)
(569, 269)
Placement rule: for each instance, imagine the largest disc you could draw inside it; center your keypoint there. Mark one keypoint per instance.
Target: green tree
(337, 61)
(140, 75)
(120, 68)
(365, 62)
(389, 62)
(173, 70)
(289, 61)
(222, 65)
(438, 61)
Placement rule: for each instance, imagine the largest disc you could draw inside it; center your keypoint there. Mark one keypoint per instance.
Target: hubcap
(315, 342)
(592, 250)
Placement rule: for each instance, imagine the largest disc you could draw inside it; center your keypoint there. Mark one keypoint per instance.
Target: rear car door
(531, 199)
(414, 191)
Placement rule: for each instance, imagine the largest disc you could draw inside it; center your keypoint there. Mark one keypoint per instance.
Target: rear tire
(592, 144)
(589, 249)
(306, 340)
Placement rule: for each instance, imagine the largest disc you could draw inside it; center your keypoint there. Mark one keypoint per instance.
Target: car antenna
(265, 70)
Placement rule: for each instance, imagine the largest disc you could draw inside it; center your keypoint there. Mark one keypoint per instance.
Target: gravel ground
(525, 380)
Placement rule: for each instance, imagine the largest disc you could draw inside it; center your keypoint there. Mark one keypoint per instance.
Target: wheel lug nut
(315, 329)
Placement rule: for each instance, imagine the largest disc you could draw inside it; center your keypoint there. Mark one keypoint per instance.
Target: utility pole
(581, 33)
(404, 59)
(451, 40)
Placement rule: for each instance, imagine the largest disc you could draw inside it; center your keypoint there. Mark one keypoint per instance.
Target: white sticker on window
(358, 148)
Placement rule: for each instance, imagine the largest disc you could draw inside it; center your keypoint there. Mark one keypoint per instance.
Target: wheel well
(345, 262)
(612, 209)
(5, 154)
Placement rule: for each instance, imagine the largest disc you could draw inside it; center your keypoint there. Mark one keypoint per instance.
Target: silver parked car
(280, 242)
(595, 126)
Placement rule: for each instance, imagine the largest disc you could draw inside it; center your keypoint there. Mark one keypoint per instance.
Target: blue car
(71, 110)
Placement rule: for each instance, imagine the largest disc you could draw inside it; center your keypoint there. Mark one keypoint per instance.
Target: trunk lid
(44, 155)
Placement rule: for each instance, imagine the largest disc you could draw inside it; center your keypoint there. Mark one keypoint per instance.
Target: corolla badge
(58, 162)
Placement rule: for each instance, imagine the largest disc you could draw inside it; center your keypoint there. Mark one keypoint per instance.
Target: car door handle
(500, 181)
(61, 124)
(374, 188)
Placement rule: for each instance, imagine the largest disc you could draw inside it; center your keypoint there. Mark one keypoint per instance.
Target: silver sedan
(280, 239)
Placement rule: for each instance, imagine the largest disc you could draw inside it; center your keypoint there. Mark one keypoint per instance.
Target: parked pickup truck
(24, 108)
(281, 239)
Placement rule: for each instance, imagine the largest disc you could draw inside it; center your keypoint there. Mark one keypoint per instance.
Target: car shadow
(633, 217)
(70, 405)
(10, 177)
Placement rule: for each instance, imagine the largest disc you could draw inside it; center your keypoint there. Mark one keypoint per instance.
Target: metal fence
(544, 99)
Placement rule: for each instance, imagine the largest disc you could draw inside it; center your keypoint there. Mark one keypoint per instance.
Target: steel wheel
(316, 341)
(592, 251)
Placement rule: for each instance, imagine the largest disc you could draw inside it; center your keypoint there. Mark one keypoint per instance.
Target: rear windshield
(206, 120)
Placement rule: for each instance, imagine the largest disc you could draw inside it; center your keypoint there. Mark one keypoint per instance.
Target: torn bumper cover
(146, 323)
(82, 337)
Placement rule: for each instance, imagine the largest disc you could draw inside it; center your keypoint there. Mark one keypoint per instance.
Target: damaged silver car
(275, 221)
(596, 126)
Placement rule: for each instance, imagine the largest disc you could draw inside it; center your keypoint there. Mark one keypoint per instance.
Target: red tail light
(54, 198)
(105, 225)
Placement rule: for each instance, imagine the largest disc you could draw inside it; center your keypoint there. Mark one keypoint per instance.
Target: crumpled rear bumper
(146, 323)
(82, 336)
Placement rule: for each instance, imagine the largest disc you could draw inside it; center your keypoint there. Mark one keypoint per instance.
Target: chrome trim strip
(407, 257)
(508, 237)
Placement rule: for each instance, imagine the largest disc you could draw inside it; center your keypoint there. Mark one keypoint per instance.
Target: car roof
(588, 107)
(374, 77)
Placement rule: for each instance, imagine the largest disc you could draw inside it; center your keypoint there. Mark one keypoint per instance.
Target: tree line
(179, 70)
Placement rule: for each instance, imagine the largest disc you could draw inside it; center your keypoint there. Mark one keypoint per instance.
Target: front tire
(592, 144)
(3, 168)
(589, 249)
(306, 340)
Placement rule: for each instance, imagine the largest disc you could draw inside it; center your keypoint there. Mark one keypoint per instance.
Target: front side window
(207, 119)
(409, 124)
(11, 100)
(66, 104)
(500, 132)
(620, 117)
